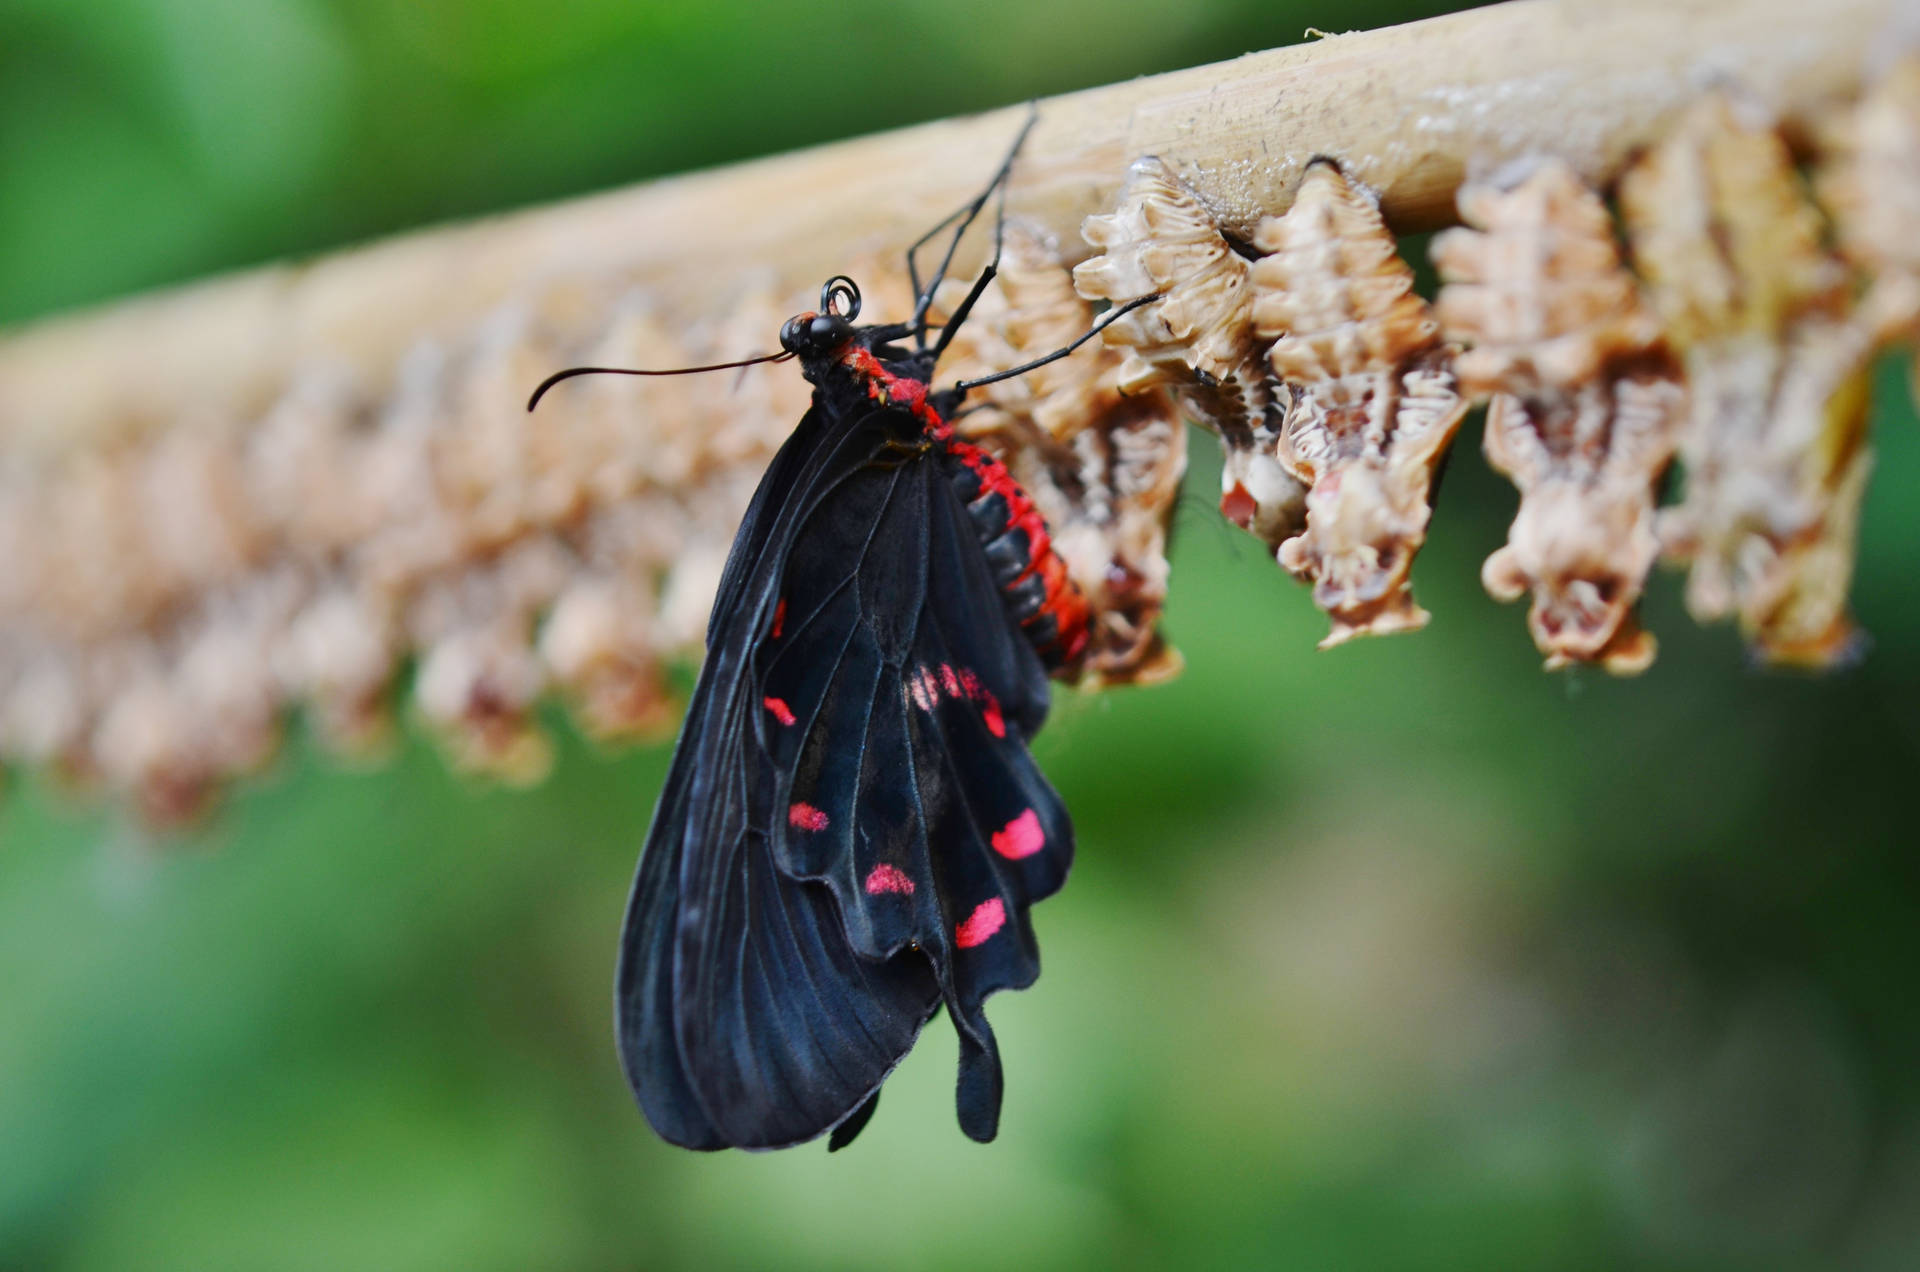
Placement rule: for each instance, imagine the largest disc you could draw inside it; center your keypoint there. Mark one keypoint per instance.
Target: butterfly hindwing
(912, 793)
(853, 828)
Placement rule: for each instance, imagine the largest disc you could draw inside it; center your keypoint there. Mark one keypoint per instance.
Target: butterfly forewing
(852, 829)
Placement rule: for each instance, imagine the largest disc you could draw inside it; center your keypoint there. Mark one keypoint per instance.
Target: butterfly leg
(959, 390)
(965, 217)
(896, 453)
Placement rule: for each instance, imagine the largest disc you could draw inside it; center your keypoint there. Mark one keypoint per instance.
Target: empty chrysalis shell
(1586, 405)
(1198, 338)
(1870, 182)
(598, 644)
(480, 678)
(1775, 446)
(1103, 467)
(1373, 407)
(339, 654)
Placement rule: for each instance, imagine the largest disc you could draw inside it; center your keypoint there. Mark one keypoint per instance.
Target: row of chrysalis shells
(169, 598)
(1739, 345)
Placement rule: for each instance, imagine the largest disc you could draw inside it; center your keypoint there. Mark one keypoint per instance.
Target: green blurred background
(1402, 956)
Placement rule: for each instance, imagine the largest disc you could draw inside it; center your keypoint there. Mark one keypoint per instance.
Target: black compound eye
(793, 334)
(827, 331)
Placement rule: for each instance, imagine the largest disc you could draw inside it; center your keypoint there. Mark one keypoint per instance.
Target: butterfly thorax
(865, 373)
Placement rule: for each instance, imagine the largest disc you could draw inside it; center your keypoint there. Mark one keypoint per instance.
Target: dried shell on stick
(1586, 405)
(1775, 447)
(1374, 405)
(1103, 467)
(1869, 180)
(1198, 338)
(339, 655)
(749, 412)
(480, 678)
(599, 645)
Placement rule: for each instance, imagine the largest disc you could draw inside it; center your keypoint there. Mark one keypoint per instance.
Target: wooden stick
(1409, 110)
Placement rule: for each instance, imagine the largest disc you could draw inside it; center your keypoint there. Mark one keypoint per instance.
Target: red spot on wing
(886, 878)
(987, 918)
(779, 617)
(991, 714)
(781, 711)
(806, 817)
(926, 687)
(1021, 838)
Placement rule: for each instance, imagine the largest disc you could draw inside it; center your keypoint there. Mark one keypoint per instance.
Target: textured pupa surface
(1373, 404)
(1775, 448)
(1103, 467)
(1198, 338)
(1586, 405)
(174, 594)
(1869, 180)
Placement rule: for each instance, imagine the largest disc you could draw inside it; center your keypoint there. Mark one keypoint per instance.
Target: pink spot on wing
(806, 817)
(987, 918)
(926, 687)
(781, 712)
(779, 617)
(886, 878)
(1022, 837)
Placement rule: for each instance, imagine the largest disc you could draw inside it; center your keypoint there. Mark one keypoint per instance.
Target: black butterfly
(852, 829)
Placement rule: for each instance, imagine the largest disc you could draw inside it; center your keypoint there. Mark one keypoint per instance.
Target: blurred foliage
(1401, 956)
(148, 141)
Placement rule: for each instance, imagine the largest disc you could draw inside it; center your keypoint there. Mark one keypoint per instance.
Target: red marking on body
(884, 387)
(990, 713)
(781, 711)
(911, 394)
(1022, 837)
(1063, 601)
(987, 918)
(779, 617)
(886, 878)
(950, 680)
(806, 817)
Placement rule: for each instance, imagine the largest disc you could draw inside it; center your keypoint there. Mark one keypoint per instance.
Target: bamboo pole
(1409, 110)
(275, 489)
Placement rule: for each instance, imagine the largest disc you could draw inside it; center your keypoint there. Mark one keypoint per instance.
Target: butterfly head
(823, 332)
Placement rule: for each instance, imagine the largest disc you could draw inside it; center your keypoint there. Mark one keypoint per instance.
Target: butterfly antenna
(1106, 320)
(570, 372)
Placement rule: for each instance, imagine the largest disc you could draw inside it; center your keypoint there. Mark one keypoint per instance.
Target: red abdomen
(1032, 577)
